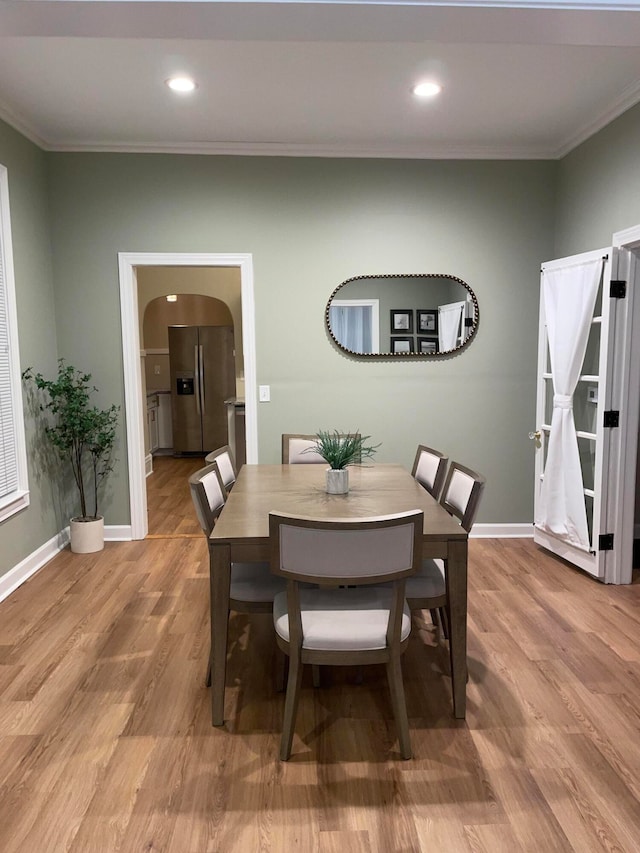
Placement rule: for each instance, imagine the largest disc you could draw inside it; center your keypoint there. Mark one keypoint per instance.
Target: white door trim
(628, 400)
(134, 415)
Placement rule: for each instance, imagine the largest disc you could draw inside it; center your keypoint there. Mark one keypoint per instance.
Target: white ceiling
(306, 78)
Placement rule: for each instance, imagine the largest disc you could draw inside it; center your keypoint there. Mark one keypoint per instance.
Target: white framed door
(604, 409)
(575, 362)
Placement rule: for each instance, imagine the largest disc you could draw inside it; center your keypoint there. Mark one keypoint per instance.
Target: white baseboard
(15, 577)
(148, 464)
(502, 531)
(117, 533)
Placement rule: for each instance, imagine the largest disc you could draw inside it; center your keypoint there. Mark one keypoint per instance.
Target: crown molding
(22, 126)
(628, 98)
(285, 149)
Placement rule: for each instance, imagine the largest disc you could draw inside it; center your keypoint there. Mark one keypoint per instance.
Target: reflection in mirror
(419, 314)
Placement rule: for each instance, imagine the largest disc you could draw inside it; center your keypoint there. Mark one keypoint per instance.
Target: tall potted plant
(340, 450)
(83, 436)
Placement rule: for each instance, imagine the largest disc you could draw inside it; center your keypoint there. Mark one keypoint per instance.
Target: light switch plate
(265, 393)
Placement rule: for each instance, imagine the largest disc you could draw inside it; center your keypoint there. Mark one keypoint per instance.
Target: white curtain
(351, 324)
(449, 324)
(569, 301)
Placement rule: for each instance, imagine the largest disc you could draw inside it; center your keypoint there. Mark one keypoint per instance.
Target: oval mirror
(419, 314)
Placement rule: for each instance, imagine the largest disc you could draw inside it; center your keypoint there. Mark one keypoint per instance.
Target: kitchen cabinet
(165, 432)
(152, 422)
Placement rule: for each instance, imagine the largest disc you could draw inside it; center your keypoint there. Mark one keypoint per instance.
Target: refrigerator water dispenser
(184, 386)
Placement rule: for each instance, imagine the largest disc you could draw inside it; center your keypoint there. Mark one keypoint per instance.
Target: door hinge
(611, 419)
(618, 288)
(605, 542)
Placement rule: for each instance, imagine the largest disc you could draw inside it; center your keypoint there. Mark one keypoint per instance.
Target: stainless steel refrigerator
(203, 376)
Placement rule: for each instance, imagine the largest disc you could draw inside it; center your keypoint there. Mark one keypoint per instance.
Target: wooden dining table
(241, 534)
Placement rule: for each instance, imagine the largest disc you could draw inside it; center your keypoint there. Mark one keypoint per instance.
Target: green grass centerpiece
(339, 450)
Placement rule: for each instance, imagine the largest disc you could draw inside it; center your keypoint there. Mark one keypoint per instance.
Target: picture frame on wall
(427, 346)
(402, 320)
(427, 323)
(402, 345)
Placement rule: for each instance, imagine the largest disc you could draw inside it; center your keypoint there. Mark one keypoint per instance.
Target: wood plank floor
(169, 507)
(106, 744)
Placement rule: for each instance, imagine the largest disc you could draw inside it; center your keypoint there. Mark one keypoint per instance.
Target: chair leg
(396, 687)
(444, 619)
(315, 674)
(208, 678)
(291, 706)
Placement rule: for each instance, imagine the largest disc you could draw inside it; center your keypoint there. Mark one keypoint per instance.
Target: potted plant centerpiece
(82, 436)
(340, 450)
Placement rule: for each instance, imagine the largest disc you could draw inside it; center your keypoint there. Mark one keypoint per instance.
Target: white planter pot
(87, 535)
(337, 481)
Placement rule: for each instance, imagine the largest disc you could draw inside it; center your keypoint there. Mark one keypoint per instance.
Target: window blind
(14, 487)
(8, 449)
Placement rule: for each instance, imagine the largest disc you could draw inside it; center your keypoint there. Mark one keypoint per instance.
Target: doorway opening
(130, 265)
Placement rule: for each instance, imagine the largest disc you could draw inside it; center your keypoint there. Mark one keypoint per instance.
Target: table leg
(220, 580)
(456, 577)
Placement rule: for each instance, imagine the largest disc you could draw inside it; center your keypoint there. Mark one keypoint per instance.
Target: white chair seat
(428, 581)
(253, 582)
(344, 619)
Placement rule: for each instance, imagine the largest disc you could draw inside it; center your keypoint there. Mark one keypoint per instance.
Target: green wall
(24, 533)
(310, 224)
(599, 187)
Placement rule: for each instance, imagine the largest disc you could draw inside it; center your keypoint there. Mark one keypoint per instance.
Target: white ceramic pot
(337, 481)
(87, 535)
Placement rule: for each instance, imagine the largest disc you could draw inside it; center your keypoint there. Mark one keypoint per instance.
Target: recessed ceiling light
(172, 297)
(427, 90)
(181, 84)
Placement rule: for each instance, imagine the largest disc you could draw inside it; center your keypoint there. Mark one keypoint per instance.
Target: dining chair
(347, 618)
(429, 469)
(253, 586)
(296, 449)
(223, 456)
(426, 590)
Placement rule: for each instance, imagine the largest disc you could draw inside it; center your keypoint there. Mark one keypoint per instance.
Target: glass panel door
(589, 402)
